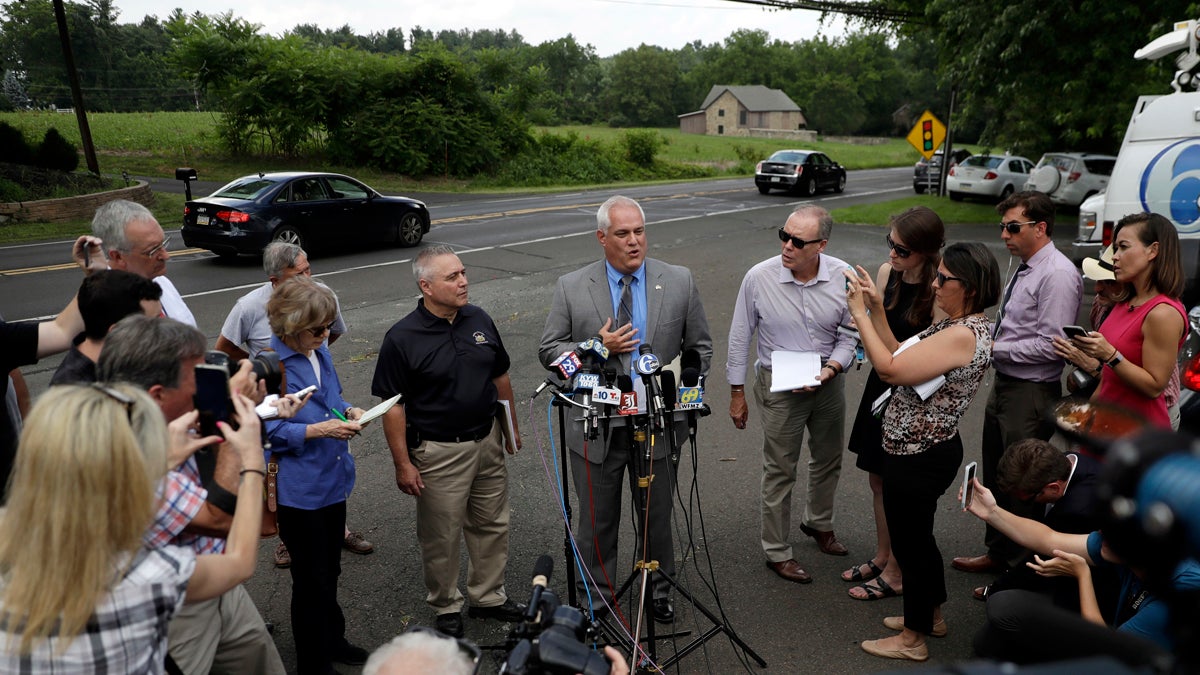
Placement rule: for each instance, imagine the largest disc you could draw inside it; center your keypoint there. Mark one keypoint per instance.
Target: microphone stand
(644, 569)
(562, 403)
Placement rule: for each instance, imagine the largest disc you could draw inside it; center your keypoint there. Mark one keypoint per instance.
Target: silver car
(1070, 177)
(991, 176)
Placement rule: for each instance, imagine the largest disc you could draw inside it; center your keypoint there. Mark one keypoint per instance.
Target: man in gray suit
(626, 300)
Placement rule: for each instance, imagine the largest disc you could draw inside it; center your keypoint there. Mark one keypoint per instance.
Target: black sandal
(856, 575)
(883, 590)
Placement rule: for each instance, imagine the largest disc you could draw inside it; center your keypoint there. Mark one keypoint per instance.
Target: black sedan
(309, 209)
(804, 171)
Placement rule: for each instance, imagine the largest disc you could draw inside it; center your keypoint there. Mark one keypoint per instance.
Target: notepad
(794, 370)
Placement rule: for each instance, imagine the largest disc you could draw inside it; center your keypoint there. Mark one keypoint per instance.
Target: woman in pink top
(1139, 341)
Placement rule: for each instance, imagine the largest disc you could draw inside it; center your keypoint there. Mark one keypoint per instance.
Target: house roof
(755, 97)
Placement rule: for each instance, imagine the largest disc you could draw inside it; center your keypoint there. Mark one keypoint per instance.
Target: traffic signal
(927, 135)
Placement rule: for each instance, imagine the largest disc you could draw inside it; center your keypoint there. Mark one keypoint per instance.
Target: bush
(17, 149)
(641, 146)
(554, 159)
(56, 152)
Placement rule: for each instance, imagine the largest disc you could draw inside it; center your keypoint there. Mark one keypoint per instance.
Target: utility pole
(85, 132)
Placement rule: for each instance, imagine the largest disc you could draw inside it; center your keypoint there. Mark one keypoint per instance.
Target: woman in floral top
(920, 436)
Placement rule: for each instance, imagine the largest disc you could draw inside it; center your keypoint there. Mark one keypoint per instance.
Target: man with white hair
(134, 242)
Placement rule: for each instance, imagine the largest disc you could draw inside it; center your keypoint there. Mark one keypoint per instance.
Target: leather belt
(473, 436)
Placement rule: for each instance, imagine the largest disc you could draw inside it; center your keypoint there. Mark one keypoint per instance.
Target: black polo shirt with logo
(444, 371)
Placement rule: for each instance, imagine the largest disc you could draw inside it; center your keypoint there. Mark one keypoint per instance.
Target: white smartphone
(968, 486)
(306, 391)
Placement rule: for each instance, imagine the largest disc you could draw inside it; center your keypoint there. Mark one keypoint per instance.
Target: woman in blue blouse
(316, 472)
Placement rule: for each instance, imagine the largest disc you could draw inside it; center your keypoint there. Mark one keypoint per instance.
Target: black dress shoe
(662, 610)
(351, 655)
(509, 611)
(451, 624)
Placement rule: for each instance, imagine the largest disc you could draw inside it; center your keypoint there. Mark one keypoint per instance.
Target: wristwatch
(1116, 358)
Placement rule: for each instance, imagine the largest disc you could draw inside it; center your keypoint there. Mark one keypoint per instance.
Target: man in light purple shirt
(795, 301)
(1042, 297)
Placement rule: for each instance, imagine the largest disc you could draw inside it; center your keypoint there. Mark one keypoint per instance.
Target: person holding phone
(100, 599)
(920, 435)
(1139, 342)
(1026, 627)
(905, 308)
(316, 473)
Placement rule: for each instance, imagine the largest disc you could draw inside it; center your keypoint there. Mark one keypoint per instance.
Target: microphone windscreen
(691, 359)
(669, 392)
(645, 348)
(689, 377)
(625, 383)
(544, 566)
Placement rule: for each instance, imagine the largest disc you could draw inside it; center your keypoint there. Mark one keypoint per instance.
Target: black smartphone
(968, 486)
(212, 397)
(1074, 331)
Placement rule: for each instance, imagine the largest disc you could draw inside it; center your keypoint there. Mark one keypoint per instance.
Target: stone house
(751, 110)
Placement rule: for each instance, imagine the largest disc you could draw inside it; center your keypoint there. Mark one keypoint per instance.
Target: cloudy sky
(609, 25)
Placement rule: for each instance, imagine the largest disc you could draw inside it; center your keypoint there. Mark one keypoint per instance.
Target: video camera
(550, 639)
(266, 366)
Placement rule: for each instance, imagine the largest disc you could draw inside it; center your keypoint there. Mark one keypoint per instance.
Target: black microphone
(542, 570)
(669, 391)
(648, 365)
(690, 365)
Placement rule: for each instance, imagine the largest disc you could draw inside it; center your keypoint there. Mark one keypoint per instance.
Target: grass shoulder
(952, 213)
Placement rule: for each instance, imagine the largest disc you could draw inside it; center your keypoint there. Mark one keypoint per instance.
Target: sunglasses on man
(796, 241)
(1014, 226)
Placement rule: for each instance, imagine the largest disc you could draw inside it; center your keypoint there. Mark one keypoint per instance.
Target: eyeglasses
(942, 279)
(318, 331)
(117, 396)
(796, 241)
(1014, 226)
(161, 247)
(466, 649)
(901, 251)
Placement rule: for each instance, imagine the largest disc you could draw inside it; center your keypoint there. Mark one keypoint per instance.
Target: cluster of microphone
(583, 372)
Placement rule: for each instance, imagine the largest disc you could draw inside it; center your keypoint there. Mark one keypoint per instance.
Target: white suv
(1071, 177)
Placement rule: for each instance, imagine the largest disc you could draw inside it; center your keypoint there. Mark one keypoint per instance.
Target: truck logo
(1170, 184)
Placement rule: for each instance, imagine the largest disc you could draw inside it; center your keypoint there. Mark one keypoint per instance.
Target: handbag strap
(272, 484)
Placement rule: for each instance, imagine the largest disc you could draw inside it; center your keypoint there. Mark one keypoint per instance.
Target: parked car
(993, 176)
(804, 171)
(928, 174)
(1068, 178)
(309, 209)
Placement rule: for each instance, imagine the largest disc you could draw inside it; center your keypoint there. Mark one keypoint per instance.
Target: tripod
(641, 465)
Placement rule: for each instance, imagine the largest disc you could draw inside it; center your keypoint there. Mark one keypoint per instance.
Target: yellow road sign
(927, 134)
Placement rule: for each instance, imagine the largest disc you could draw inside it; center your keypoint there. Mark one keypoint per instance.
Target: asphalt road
(514, 249)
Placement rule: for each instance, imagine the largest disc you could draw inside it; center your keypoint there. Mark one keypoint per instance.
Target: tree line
(1030, 75)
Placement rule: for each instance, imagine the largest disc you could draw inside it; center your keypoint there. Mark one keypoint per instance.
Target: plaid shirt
(127, 633)
(181, 498)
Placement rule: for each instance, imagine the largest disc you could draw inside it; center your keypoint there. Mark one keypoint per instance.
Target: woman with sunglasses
(920, 434)
(316, 472)
(1139, 341)
(80, 592)
(906, 307)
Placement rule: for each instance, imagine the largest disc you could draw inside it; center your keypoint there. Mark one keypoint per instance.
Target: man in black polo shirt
(447, 361)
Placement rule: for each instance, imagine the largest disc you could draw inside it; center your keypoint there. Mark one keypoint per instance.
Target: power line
(862, 10)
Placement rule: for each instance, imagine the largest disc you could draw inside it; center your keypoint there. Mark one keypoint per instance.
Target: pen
(339, 415)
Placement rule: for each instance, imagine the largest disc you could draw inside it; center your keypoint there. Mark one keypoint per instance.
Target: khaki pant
(465, 498)
(785, 416)
(223, 635)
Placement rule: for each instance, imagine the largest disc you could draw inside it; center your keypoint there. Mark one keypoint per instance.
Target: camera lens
(269, 369)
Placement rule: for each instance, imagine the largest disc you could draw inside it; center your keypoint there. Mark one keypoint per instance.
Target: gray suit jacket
(675, 321)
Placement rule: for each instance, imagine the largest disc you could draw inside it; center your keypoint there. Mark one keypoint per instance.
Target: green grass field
(154, 144)
(952, 213)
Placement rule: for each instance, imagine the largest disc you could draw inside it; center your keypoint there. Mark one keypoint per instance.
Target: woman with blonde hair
(79, 592)
(315, 473)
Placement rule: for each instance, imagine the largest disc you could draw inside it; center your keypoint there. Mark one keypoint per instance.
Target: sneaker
(450, 624)
(509, 611)
(283, 559)
(355, 542)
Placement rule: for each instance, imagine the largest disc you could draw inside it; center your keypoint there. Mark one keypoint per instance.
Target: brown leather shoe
(790, 570)
(826, 541)
(979, 564)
